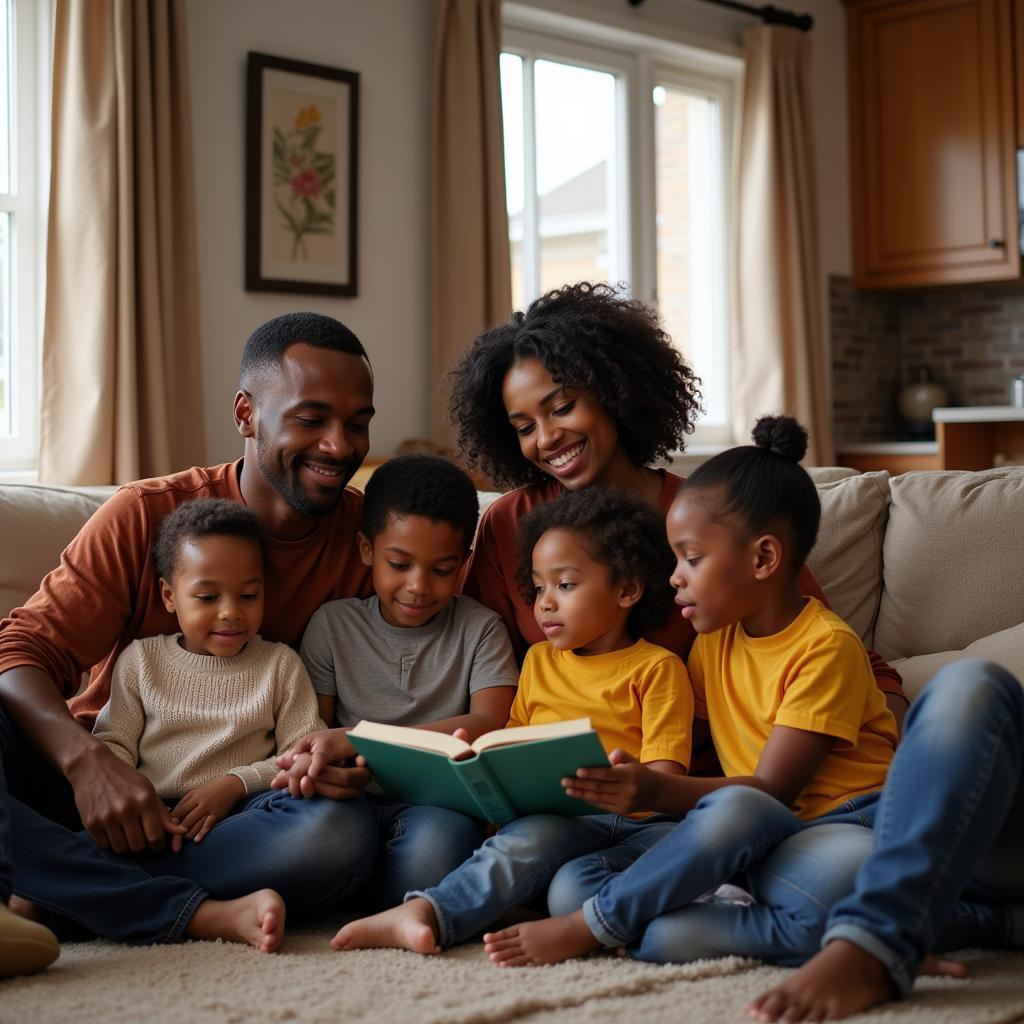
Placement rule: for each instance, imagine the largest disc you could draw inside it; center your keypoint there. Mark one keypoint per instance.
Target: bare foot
(411, 926)
(541, 942)
(257, 919)
(840, 980)
(23, 908)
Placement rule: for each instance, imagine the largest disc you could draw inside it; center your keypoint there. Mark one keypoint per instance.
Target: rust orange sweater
(104, 593)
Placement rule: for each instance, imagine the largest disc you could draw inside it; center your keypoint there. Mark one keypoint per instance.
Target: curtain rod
(767, 13)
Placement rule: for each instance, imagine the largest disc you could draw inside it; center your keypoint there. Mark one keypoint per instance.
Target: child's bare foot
(411, 926)
(541, 942)
(840, 980)
(257, 919)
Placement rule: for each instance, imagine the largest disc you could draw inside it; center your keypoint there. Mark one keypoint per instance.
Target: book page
(529, 733)
(418, 739)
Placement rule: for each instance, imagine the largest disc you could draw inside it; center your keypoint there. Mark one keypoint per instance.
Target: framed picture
(301, 164)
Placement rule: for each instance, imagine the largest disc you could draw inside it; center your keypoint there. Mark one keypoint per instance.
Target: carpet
(308, 983)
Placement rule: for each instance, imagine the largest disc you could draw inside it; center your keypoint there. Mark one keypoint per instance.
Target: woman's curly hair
(617, 529)
(587, 336)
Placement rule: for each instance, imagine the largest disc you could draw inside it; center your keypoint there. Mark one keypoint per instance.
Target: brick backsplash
(971, 338)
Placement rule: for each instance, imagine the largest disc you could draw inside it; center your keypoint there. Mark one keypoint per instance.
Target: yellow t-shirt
(814, 675)
(638, 699)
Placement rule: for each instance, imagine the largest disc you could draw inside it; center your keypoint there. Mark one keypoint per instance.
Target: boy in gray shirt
(412, 654)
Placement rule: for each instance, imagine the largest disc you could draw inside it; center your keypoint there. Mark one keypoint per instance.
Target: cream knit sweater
(186, 719)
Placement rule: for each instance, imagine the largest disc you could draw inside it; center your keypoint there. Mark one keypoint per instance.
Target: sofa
(927, 567)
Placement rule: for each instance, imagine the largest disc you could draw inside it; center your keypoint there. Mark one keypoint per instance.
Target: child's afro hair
(587, 336)
(616, 528)
(421, 485)
(203, 517)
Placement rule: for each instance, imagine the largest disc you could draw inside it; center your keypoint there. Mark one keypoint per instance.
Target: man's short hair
(421, 485)
(203, 517)
(267, 344)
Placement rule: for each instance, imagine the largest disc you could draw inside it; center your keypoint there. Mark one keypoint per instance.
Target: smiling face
(310, 423)
(415, 564)
(217, 593)
(716, 566)
(577, 604)
(562, 431)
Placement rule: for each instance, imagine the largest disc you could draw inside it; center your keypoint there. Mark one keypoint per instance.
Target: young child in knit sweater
(203, 713)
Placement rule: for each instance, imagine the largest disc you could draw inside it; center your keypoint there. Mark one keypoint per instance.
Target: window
(617, 163)
(24, 120)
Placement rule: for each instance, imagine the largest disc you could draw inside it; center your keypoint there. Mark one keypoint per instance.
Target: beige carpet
(307, 983)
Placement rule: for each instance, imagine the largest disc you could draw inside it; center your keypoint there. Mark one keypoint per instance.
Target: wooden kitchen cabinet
(933, 126)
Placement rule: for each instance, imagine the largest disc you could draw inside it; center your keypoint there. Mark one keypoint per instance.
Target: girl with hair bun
(802, 732)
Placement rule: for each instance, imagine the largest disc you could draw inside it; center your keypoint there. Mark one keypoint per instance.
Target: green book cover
(499, 783)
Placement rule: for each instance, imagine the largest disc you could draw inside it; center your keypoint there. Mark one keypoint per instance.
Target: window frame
(31, 24)
(640, 62)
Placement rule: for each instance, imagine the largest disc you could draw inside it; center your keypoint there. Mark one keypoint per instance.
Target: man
(303, 408)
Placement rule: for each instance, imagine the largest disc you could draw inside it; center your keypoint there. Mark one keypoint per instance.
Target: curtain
(780, 362)
(472, 289)
(122, 395)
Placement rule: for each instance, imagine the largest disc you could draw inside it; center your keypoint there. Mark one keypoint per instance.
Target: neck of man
(279, 520)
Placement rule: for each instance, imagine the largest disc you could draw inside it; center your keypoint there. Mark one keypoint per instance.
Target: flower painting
(301, 191)
(303, 179)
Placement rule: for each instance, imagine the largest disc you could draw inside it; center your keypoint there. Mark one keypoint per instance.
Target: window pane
(690, 237)
(575, 132)
(6, 66)
(512, 121)
(5, 325)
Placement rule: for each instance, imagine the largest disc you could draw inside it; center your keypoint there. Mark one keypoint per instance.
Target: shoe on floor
(25, 946)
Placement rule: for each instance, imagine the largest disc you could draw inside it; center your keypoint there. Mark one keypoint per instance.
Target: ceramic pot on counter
(918, 398)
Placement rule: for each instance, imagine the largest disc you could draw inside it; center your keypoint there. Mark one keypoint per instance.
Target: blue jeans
(955, 733)
(419, 845)
(515, 866)
(308, 850)
(948, 847)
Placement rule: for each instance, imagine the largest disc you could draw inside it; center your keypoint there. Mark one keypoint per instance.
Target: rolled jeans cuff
(599, 926)
(443, 931)
(901, 972)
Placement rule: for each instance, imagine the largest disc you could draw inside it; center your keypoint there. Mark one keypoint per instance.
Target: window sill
(18, 476)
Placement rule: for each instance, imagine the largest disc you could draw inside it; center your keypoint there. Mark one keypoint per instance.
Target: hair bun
(781, 435)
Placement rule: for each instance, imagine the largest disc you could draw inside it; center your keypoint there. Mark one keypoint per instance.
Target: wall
(391, 44)
(971, 338)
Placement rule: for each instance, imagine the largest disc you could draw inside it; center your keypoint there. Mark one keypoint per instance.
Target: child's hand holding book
(625, 787)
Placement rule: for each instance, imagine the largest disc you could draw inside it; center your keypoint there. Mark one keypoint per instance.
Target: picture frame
(302, 139)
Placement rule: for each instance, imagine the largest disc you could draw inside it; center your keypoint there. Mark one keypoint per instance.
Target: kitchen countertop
(890, 448)
(978, 414)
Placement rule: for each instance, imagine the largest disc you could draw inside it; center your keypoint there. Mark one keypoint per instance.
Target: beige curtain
(472, 287)
(122, 395)
(780, 362)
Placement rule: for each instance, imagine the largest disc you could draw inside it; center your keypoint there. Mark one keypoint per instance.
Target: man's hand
(625, 787)
(324, 763)
(201, 808)
(118, 805)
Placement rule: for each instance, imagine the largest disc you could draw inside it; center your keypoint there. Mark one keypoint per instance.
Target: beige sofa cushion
(953, 561)
(1006, 648)
(36, 524)
(847, 559)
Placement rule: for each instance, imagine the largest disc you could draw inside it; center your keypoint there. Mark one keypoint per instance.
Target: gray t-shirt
(405, 676)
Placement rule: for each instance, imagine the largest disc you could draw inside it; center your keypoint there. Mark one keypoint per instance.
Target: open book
(501, 776)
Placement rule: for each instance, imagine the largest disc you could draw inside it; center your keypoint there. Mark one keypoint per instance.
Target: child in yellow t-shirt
(802, 731)
(594, 569)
